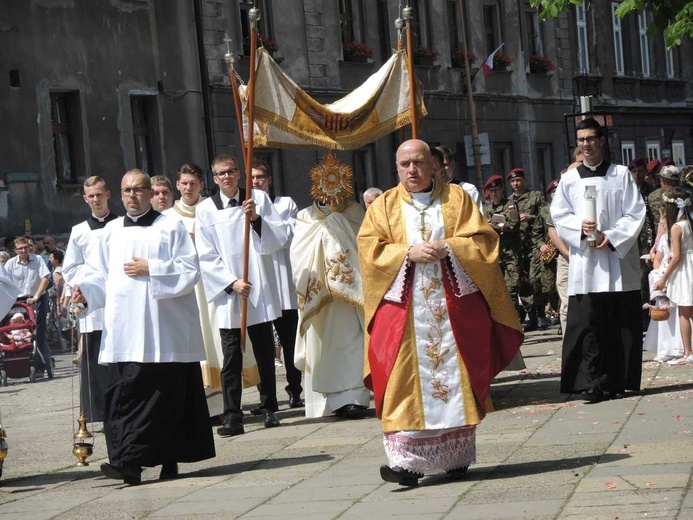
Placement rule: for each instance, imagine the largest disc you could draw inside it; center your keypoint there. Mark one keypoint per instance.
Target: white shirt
(27, 275)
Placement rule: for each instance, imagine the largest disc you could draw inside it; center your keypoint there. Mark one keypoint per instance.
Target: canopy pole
(253, 16)
(408, 15)
(230, 60)
(476, 147)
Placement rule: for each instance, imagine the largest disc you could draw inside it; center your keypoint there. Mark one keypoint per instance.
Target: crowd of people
(418, 300)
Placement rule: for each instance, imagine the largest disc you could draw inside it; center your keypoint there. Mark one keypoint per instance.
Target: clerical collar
(225, 200)
(600, 170)
(427, 190)
(144, 220)
(95, 222)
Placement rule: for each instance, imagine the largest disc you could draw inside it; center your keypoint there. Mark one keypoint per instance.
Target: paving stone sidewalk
(539, 456)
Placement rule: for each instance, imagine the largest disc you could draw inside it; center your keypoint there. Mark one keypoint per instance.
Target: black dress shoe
(457, 473)
(296, 401)
(530, 327)
(351, 411)
(169, 470)
(271, 420)
(256, 411)
(401, 476)
(230, 430)
(593, 395)
(128, 473)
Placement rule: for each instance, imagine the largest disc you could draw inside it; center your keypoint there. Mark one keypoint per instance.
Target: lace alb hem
(452, 449)
(396, 291)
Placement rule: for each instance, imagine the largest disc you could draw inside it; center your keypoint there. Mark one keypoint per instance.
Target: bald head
(414, 165)
(135, 191)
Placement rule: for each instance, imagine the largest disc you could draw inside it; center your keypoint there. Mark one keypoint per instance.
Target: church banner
(287, 117)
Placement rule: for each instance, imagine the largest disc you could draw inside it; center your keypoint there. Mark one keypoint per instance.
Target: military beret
(515, 172)
(668, 162)
(493, 181)
(653, 166)
(552, 186)
(637, 163)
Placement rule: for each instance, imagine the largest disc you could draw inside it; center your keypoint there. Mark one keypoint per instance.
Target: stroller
(19, 353)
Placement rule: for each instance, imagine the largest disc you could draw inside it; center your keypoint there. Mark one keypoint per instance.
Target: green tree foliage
(673, 18)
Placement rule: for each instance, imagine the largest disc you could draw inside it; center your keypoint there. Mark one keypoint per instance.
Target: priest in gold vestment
(440, 324)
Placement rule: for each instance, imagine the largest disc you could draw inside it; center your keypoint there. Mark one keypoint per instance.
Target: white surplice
(8, 292)
(287, 209)
(474, 194)
(329, 344)
(149, 318)
(219, 241)
(211, 368)
(620, 215)
(83, 240)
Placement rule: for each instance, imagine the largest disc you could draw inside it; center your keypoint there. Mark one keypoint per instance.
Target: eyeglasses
(137, 190)
(224, 173)
(591, 139)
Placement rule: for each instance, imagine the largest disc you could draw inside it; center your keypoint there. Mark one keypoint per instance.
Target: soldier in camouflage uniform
(638, 169)
(547, 271)
(506, 222)
(528, 203)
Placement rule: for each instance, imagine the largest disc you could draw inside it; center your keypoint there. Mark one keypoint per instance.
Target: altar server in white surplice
(143, 274)
(602, 348)
(286, 324)
(84, 238)
(219, 239)
(324, 260)
(190, 182)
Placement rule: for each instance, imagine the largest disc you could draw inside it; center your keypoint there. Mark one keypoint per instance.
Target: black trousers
(41, 308)
(231, 378)
(286, 330)
(94, 378)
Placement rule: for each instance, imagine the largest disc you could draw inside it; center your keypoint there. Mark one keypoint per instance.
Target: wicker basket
(657, 314)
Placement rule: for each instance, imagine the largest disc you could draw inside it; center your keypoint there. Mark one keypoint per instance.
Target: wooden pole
(408, 14)
(254, 16)
(476, 147)
(236, 97)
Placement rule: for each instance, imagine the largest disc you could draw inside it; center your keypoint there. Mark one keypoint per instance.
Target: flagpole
(236, 98)
(253, 17)
(472, 105)
(408, 15)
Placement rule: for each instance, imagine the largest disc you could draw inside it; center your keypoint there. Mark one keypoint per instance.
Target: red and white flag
(488, 64)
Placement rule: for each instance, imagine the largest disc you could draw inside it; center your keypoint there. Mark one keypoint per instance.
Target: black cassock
(602, 347)
(157, 413)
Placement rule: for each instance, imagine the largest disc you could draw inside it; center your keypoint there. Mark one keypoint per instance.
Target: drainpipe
(204, 81)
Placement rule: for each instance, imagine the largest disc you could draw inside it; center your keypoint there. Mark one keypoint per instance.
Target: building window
(502, 158)
(535, 38)
(545, 170)
(618, 40)
(627, 152)
(669, 55)
(582, 39)
(421, 27)
(351, 21)
(144, 119)
(67, 136)
(453, 24)
(678, 153)
(264, 25)
(644, 45)
(492, 27)
(653, 150)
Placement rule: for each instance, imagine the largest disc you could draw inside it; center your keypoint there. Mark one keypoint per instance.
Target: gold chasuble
(392, 368)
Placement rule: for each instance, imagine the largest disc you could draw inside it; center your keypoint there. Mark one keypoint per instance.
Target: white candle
(591, 206)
